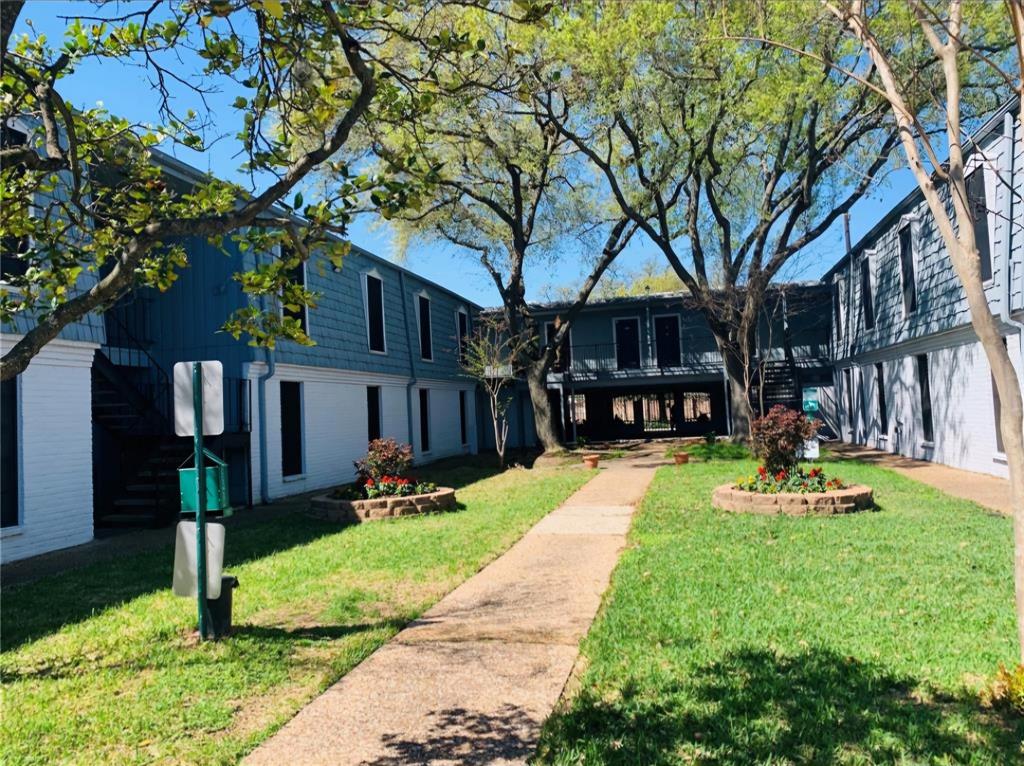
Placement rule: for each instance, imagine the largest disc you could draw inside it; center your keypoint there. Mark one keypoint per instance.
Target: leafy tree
(729, 155)
(81, 191)
(971, 41)
(506, 188)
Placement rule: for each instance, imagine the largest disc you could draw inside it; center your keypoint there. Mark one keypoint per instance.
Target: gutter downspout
(261, 388)
(412, 362)
(261, 399)
(1006, 299)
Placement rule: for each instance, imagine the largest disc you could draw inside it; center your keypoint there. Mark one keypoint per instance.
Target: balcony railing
(610, 359)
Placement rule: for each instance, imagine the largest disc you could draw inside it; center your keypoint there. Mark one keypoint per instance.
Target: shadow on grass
(754, 706)
(41, 607)
(270, 633)
(458, 471)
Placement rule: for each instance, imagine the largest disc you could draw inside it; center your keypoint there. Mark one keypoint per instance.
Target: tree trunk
(740, 411)
(536, 380)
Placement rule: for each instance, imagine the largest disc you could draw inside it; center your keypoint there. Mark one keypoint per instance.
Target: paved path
(983, 489)
(472, 681)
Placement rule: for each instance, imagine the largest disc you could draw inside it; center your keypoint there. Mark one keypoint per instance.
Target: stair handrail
(164, 381)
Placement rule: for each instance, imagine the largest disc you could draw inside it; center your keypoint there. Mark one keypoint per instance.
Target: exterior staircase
(780, 384)
(135, 474)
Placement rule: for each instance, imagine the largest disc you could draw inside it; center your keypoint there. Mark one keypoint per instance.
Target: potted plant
(591, 460)
(681, 457)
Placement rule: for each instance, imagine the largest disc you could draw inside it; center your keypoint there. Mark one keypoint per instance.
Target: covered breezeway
(630, 412)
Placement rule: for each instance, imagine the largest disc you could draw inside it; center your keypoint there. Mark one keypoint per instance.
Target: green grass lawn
(101, 665)
(739, 639)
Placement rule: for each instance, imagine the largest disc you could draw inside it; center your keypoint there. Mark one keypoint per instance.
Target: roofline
(914, 196)
(192, 174)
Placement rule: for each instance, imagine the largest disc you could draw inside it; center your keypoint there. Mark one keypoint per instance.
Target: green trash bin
(216, 477)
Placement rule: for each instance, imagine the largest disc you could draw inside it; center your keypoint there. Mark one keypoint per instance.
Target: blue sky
(127, 91)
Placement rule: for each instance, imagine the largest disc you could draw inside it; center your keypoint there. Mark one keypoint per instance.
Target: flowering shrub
(397, 486)
(788, 480)
(385, 457)
(778, 436)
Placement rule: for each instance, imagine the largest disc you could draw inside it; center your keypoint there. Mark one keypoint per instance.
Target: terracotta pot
(591, 460)
(681, 458)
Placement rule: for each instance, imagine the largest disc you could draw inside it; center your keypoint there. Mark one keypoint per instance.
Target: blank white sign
(213, 399)
(185, 580)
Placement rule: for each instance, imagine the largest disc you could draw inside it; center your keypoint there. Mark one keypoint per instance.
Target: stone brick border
(355, 511)
(849, 500)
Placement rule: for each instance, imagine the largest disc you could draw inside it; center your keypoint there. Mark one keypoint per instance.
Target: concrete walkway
(472, 681)
(981, 488)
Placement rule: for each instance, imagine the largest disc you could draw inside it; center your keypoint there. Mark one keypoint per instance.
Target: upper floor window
(373, 300)
(12, 247)
(979, 213)
(462, 330)
(907, 275)
(867, 301)
(426, 339)
(297, 275)
(837, 306)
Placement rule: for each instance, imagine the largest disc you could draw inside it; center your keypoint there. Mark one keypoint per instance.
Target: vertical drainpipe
(261, 398)
(412, 362)
(1006, 299)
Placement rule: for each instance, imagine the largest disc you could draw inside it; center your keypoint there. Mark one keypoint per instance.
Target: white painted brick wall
(963, 412)
(55, 441)
(335, 423)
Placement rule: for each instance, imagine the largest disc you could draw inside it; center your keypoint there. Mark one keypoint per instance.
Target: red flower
(815, 473)
(780, 476)
(762, 471)
(369, 482)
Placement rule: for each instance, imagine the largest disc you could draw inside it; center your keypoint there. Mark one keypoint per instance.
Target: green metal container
(216, 477)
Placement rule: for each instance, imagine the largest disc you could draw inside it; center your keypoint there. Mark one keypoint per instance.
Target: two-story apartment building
(648, 366)
(91, 417)
(909, 370)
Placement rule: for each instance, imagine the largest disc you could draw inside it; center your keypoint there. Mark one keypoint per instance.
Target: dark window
(297, 276)
(426, 344)
(627, 344)
(9, 453)
(867, 303)
(463, 330)
(837, 308)
(291, 428)
(979, 212)
(13, 246)
(926, 397)
(666, 341)
(883, 412)
(372, 413)
(424, 420)
(564, 356)
(907, 270)
(848, 376)
(463, 431)
(375, 313)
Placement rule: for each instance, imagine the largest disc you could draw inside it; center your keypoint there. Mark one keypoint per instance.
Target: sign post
(197, 442)
(197, 418)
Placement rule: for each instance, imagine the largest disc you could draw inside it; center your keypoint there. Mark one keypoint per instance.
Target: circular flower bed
(337, 507)
(794, 492)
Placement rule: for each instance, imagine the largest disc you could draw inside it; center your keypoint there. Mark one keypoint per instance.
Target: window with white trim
(423, 320)
(908, 276)
(373, 301)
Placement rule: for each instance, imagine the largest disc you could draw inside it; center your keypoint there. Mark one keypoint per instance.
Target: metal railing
(598, 358)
